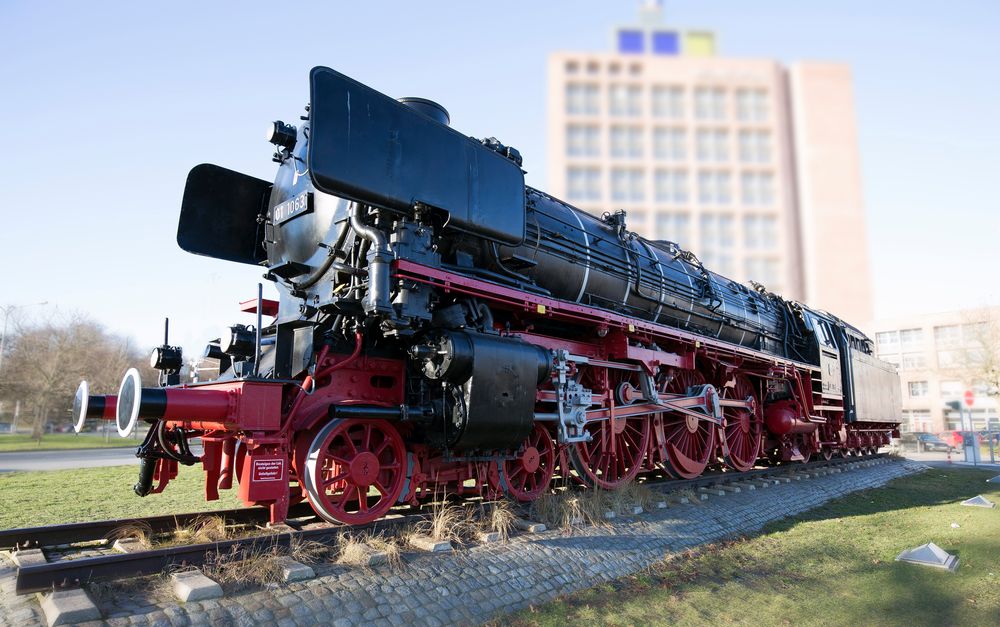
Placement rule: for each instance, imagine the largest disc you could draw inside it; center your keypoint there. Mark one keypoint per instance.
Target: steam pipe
(377, 298)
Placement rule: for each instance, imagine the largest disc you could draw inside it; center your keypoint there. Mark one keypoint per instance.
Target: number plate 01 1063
(283, 212)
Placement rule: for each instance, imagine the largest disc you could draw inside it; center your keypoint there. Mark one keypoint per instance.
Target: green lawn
(831, 566)
(29, 499)
(58, 441)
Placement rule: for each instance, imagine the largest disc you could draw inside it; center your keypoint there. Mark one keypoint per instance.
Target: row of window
(948, 389)
(945, 335)
(945, 359)
(714, 187)
(717, 233)
(668, 101)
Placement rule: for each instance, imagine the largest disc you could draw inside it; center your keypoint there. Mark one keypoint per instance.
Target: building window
(583, 183)
(911, 338)
(710, 103)
(625, 100)
(755, 146)
(582, 99)
(712, 145)
(636, 221)
(913, 361)
(668, 102)
(887, 341)
(626, 141)
(951, 389)
(671, 186)
(627, 184)
(583, 140)
(751, 105)
(717, 241)
(669, 144)
(948, 336)
(762, 270)
(674, 227)
(949, 359)
(714, 187)
(757, 189)
(760, 232)
(918, 389)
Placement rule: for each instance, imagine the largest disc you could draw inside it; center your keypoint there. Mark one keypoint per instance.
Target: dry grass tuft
(238, 569)
(139, 531)
(357, 550)
(634, 493)
(499, 519)
(308, 551)
(201, 530)
(569, 508)
(447, 521)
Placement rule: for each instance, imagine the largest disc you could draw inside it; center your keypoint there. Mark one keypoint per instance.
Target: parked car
(920, 442)
(954, 438)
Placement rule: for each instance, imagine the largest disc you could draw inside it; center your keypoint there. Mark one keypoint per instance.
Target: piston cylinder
(785, 417)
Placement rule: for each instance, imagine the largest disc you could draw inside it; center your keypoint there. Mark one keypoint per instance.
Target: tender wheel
(690, 442)
(529, 476)
(355, 470)
(615, 453)
(743, 427)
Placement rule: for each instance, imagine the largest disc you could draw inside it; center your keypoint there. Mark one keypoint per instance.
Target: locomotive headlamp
(238, 341)
(281, 134)
(213, 351)
(166, 358)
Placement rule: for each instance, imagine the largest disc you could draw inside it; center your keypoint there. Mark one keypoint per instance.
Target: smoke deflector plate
(930, 554)
(979, 501)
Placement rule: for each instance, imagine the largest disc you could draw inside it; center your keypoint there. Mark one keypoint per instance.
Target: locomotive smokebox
(429, 108)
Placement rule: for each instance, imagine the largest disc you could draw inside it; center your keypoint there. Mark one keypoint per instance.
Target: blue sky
(106, 106)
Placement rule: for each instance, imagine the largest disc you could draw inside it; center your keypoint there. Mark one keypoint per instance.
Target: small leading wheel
(827, 453)
(690, 441)
(615, 453)
(743, 426)
(355, 470)
(528, 476)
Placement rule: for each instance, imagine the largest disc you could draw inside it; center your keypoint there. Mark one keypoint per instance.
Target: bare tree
(981, 352)
(45, 362)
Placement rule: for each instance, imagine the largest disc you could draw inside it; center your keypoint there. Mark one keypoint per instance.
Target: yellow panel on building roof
(699, 43)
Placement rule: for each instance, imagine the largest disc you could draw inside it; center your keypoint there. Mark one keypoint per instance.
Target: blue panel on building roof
(630, 41)
(666, 42)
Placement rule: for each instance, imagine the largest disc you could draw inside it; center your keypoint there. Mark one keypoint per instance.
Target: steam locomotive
(443, 328)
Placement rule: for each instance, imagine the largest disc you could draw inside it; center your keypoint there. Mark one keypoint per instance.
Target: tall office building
(751, 165)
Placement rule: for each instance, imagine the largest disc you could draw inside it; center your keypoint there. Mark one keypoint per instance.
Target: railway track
(69, 573)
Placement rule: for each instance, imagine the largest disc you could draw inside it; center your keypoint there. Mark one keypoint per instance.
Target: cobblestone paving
(471, 586)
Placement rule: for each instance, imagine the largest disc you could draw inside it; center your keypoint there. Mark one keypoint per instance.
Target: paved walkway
(483, 582)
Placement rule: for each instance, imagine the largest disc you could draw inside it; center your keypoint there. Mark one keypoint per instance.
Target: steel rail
(71, 533)
(74, 573)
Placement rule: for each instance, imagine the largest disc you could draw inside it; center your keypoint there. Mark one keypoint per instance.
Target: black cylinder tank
(584, 259)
